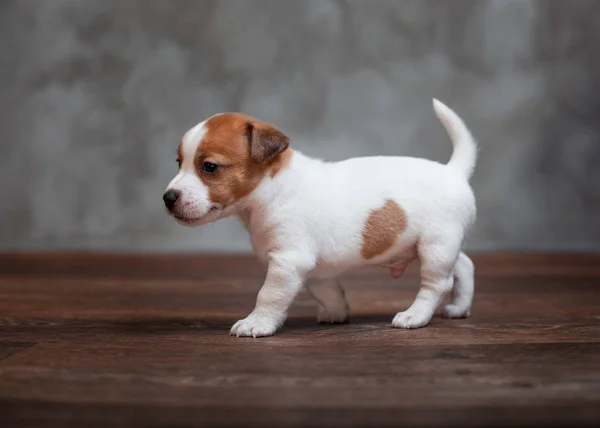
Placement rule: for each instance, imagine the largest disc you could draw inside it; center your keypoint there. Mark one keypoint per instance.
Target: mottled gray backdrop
(95, 95)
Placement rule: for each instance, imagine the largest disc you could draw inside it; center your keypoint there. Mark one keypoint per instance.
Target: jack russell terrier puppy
(310, 220)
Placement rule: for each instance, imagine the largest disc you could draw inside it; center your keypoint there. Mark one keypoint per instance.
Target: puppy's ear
(266, 141)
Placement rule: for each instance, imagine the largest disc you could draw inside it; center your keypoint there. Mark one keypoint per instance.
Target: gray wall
(95, 95)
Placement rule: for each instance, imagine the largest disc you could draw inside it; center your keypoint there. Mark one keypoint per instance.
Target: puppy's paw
(255, 325)
(333, 315)
(456, 311)
(411, 319)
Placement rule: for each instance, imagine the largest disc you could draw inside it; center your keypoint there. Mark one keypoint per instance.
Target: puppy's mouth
(213, 213)
(184, 219)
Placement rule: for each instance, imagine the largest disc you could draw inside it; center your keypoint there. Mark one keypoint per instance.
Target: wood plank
(216, 266)
(125, 341)
(9, 348)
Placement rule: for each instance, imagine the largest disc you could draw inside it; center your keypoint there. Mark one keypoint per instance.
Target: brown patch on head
(285, 158)
(245, 149)
(382, 229)
(180, 153)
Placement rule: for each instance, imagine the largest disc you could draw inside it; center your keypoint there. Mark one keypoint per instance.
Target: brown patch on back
(246, 149)
(382, 229)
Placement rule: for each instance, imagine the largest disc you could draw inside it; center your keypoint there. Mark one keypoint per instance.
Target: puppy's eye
(209, 167)
(178, 162)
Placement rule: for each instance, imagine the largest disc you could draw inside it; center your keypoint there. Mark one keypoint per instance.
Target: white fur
(464, 155)
(307, 223)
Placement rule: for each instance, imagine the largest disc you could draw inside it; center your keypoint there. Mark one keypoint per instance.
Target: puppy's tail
(464, 154)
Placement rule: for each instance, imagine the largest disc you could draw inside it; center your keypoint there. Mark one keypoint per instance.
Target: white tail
(464, 154)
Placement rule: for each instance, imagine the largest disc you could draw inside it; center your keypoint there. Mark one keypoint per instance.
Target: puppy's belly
(330, 270)
(395, 261)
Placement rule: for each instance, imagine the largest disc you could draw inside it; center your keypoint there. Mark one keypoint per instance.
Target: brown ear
(266, 141)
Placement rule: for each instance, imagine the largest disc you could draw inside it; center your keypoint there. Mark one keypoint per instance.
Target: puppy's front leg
(331, 300)
(285, 276)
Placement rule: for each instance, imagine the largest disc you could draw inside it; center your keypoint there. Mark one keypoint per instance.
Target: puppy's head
(221, 161)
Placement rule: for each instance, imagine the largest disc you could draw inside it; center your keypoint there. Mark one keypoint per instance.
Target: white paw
(455, 311)
(411, 319)
(333, 315)
(255, 326)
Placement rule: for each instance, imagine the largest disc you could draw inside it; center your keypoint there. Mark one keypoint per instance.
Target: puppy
(310, 220)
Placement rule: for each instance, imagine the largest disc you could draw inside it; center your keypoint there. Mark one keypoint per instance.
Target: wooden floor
(137, 341)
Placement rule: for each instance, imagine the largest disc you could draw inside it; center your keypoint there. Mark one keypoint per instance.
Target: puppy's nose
(170, 197)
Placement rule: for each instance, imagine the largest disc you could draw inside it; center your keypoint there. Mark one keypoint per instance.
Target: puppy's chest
(262, 244)
(262, 236)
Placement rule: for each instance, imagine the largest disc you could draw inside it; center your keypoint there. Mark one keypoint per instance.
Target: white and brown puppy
(313, 220)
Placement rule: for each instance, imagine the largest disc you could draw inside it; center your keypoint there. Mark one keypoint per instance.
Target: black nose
(170, 197)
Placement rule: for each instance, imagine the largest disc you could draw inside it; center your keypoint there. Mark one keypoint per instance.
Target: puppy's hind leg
(331, 300)
(438, 256)
(462, 291)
